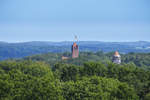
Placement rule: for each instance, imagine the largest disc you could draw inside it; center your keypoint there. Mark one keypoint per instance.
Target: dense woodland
(139, 59)
(92, 76)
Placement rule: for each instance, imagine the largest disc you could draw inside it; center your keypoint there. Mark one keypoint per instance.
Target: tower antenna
(76, 38)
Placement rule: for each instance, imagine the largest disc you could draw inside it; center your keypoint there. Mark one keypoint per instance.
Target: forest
(139, 59)
(92, 76)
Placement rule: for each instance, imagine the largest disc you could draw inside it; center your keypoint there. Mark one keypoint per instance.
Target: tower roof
(116, 53)
(75, 44)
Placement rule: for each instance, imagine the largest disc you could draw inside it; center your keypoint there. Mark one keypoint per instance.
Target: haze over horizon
(60, 20)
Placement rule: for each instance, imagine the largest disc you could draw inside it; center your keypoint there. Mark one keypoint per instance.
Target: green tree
(98, 88)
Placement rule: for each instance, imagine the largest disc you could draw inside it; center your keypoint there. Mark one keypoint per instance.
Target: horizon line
(71, 41)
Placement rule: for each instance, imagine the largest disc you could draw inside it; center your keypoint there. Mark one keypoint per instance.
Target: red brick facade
(75, 50)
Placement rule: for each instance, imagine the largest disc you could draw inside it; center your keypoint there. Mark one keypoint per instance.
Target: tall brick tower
(75, 50)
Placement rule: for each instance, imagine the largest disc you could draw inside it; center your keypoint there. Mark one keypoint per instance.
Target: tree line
(36, 80)
(139, 59)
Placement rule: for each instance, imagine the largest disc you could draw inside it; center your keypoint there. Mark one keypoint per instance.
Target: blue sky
(59, 20)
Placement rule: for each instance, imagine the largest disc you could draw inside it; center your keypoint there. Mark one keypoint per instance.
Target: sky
(60, 20)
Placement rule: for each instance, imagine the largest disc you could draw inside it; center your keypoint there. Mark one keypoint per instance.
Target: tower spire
(76, 38)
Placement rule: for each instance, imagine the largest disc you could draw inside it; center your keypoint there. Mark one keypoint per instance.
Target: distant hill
(19, 50)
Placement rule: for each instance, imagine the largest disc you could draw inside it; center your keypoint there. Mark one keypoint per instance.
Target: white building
(116, 58)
